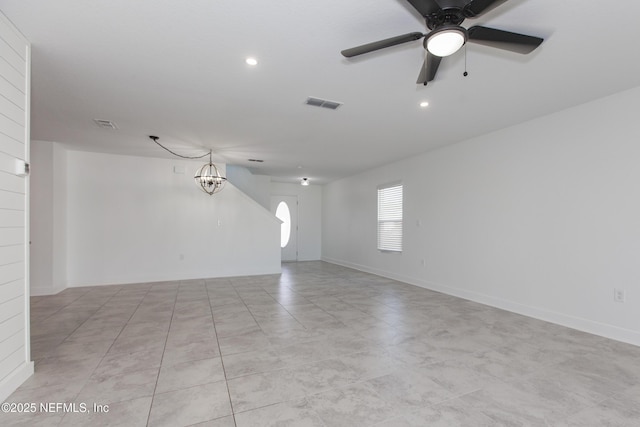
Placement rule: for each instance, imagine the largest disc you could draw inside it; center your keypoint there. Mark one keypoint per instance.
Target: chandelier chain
(155, 139)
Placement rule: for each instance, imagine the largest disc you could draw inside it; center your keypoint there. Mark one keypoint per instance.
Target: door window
(284, 215)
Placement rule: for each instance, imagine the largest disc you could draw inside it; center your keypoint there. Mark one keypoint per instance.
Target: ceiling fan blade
(501, 39)
(370, 47)
(429, 69)
(479, 7)
(425, 7)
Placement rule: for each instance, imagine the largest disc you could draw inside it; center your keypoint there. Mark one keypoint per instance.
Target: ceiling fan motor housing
(451, 16)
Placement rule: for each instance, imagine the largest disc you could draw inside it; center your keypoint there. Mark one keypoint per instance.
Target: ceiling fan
(443, 18)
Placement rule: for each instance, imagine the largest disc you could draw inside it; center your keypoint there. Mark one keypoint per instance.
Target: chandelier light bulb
(209, 178)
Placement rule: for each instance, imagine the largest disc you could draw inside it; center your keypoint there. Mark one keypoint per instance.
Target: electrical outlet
(618, 295)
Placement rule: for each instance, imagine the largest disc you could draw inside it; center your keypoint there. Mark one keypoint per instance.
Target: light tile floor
(319, 345)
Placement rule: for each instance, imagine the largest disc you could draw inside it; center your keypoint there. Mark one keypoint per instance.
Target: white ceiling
(176, 69)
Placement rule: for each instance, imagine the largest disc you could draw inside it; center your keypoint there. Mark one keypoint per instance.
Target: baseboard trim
(15, 379)
(585, 325)
(38, 292)
(174, 278)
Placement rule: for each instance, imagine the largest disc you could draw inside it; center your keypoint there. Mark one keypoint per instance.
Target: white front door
(285, 208)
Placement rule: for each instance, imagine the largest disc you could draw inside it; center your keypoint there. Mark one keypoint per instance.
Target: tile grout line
(254, 317)
(62, 307)
(153, 396)
(224, 371)
(105, 354)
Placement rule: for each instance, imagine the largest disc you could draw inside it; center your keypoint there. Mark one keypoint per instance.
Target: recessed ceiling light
(424, 104)
(251, 61)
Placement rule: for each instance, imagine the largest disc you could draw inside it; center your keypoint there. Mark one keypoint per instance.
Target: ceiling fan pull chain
(465, 62)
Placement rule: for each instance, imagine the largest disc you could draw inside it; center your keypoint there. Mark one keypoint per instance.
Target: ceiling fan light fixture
(446, 40)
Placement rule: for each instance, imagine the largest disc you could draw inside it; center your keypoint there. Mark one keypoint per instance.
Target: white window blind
(390, 218)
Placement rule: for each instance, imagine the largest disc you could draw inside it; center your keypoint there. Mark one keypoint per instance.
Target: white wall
(261, 188)
(309, 217)
(48, 218)
(15, 356)
(41, 178)
(542, 218)
(255, 186)
(133, 219)
(59, 212)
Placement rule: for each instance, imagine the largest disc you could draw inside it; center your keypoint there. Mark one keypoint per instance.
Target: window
(390, 217)
(284, 215)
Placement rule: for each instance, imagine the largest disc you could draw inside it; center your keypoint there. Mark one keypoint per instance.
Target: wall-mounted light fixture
(304, 181)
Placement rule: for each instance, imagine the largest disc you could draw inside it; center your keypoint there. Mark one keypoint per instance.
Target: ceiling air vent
(105, 124)
(318, 102)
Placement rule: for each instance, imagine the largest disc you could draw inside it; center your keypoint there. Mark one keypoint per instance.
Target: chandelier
(209, 179)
